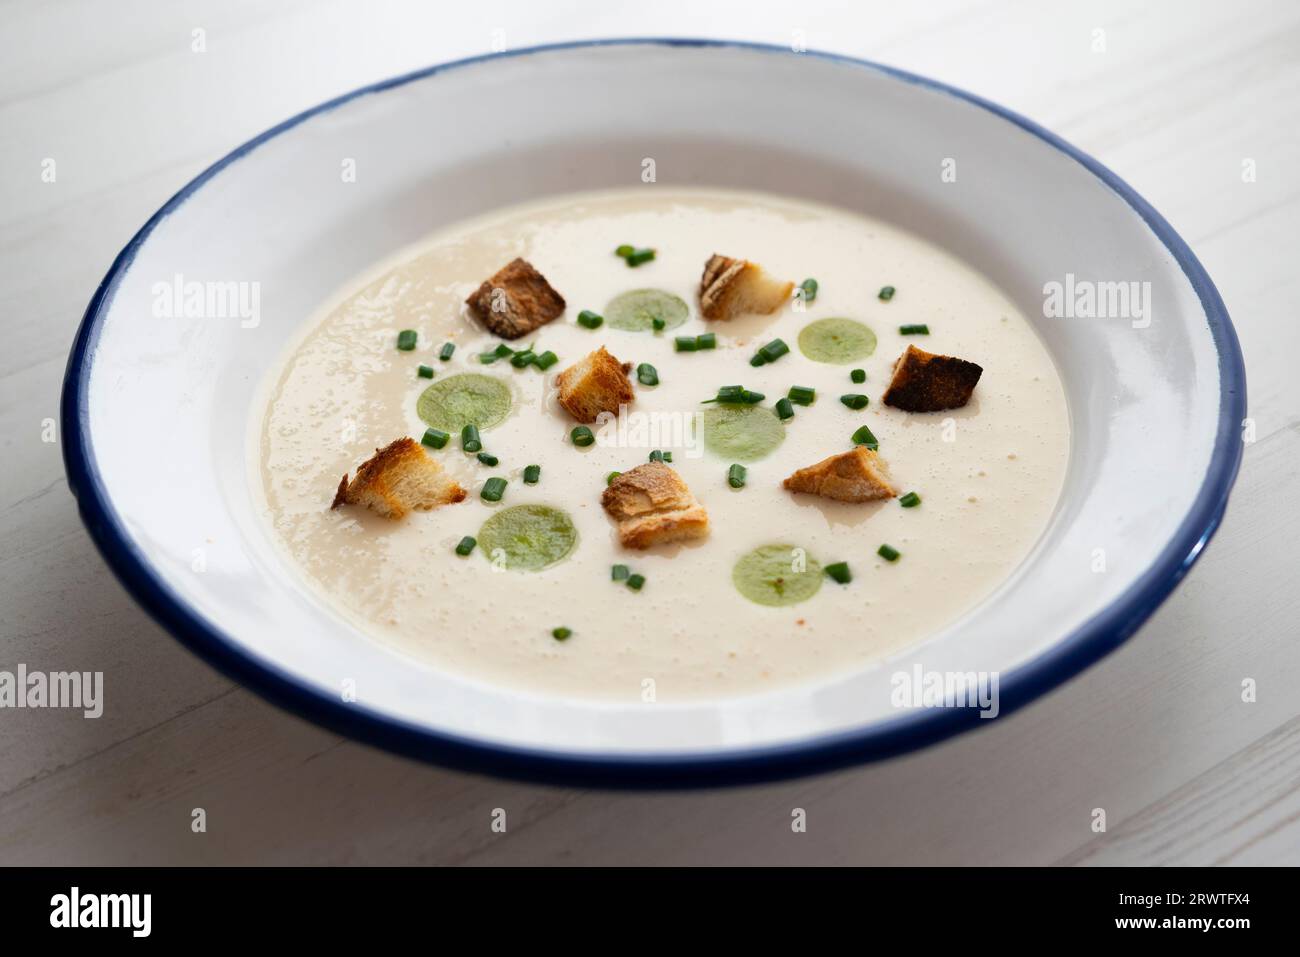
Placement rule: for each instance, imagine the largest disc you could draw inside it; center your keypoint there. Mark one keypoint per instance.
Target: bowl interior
(167, 400)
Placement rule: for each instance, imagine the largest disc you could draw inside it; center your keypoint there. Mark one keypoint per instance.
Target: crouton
(854, 476)
(515, 301)
(396, 479)
(594, 385)
(733, 287)
(652, 505)
(925, 382)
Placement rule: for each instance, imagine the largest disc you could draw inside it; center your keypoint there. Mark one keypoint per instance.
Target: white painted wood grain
(1156, 734)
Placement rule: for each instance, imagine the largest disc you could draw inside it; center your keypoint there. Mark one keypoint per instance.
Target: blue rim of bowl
(1090, 642)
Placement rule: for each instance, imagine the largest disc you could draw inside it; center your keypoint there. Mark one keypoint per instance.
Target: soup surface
(988, 474)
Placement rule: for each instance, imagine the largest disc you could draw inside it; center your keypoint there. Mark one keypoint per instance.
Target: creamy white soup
(987, 474)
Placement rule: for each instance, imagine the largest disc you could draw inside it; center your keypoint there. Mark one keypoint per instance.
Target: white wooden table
(1175, 97)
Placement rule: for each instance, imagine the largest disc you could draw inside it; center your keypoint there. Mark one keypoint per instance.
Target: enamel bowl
(156, 406)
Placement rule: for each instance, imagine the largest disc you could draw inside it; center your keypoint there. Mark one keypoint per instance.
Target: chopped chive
(855, 400)
(757, 360)
(624, 251)
(582, 436)
(658, 324)
(470, 440)
(406, 340)
(736, 476)
(840, 572)
(522, 359)
(656, 456)
(502, 350)
(865, 437)
(910, 500)
(590, 319)
(639, 256)
(647, 374)
(434, 438)
(784, 409)
(774, 350)
(546, 360)
(706, 341)
(487, 358)
(531, 474)
(559, 634)
(609, 479)
(635, 582)
(466, 545)
(808, 290)
(858, 375)
(445, 353)
(619, 573)
(487, 458)
(668, 457)
(919, 329)
(685, 344)
(426, 372)
(802, 395)
(889, 553)
(886, 293)
(493, 489)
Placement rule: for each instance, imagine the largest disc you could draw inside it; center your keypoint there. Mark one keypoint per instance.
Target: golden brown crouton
(396, 479)
(925, 382)
(733, 287)
(594, 385)
(515, 301)
(855, 476)
(652, 505)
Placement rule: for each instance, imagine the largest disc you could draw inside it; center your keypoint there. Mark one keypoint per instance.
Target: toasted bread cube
(594, 385)
(734, 287)
(515, 301)
(925, 382)
(854, 476)
(652, 506)
(396, 479)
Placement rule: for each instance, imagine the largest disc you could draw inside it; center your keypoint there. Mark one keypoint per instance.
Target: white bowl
(155, 410)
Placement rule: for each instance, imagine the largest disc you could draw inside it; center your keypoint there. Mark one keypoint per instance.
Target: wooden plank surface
(1157, 734)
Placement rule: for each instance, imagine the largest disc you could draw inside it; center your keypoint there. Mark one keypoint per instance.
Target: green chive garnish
(624, 251)
(546, 360)
(647, 374)
(521, 359)
(619, 573)
(590, 319)
(493, 489)
(406, 340)
(434, 438)
(910, 500)
(736, 476)
(559, 634)
(582, 436)
(668, 457)
(487, 358)
(445, 353)
(639, 256)
(865, 437)
(685, 344)
(774, 350)
(757, 361)
(531, 474)
(466, 545)
(658, 324)
(840, 572)
(886, 293)
(706, 341)
(855, 400)
(889, 553)
(635, 582)
(784, 409)
(808, 290)
(802, 395)
(426, 372)
(609, 479)
(858, 375)
(502, 350)
(920, 329)
(487, 458)
(469, 439)
(656, 456)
